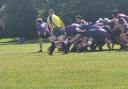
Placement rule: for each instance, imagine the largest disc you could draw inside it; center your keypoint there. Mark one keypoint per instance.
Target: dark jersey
(84, 27)
(40, 27)
(87, 27)
(97, 34)
(71, 30)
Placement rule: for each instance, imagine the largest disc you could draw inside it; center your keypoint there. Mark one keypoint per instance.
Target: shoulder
(114, 20)
(55, 16)
(83, 21)
(84, 27)
(43, 24)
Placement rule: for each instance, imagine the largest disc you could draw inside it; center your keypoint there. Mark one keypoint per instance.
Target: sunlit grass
(22, 68)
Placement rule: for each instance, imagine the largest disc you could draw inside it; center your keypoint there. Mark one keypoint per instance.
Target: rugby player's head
(78, 18)
(115, 13)
(39, 20)
(50, 11)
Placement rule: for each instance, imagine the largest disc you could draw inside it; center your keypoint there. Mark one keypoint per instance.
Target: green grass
(6, 40)
(22, 68)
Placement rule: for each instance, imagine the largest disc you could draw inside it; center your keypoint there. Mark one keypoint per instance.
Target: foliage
(21, 14)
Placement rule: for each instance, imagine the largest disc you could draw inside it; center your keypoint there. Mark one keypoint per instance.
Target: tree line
(17, 17)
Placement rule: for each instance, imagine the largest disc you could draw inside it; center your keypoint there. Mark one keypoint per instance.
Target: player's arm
(49, 26)
(46, 28)
(79, 30)
(117, 25)
(38, 32)
(63, 26)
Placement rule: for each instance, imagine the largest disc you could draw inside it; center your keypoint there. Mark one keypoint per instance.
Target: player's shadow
(38, 52)
(105, 50)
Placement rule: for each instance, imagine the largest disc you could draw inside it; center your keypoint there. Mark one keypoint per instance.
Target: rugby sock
(122, 44)
(64, 48)
(68, 46)
(81, 49)
(53, 46)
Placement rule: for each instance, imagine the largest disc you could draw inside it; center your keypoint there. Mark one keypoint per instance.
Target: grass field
(22, 68)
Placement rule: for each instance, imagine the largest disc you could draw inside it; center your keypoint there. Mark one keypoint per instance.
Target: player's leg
(40, 44)
(52, 46)
(61, 40)
(109, 43)
(77, 36)
(72, 40)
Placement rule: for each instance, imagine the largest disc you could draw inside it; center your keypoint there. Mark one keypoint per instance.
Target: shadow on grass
(105, 50)
(38, 52)
(23, 43)
(44, 53)
(13, 42)
(58, 52)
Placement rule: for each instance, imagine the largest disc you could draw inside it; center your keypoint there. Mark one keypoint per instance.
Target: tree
(21, 17)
